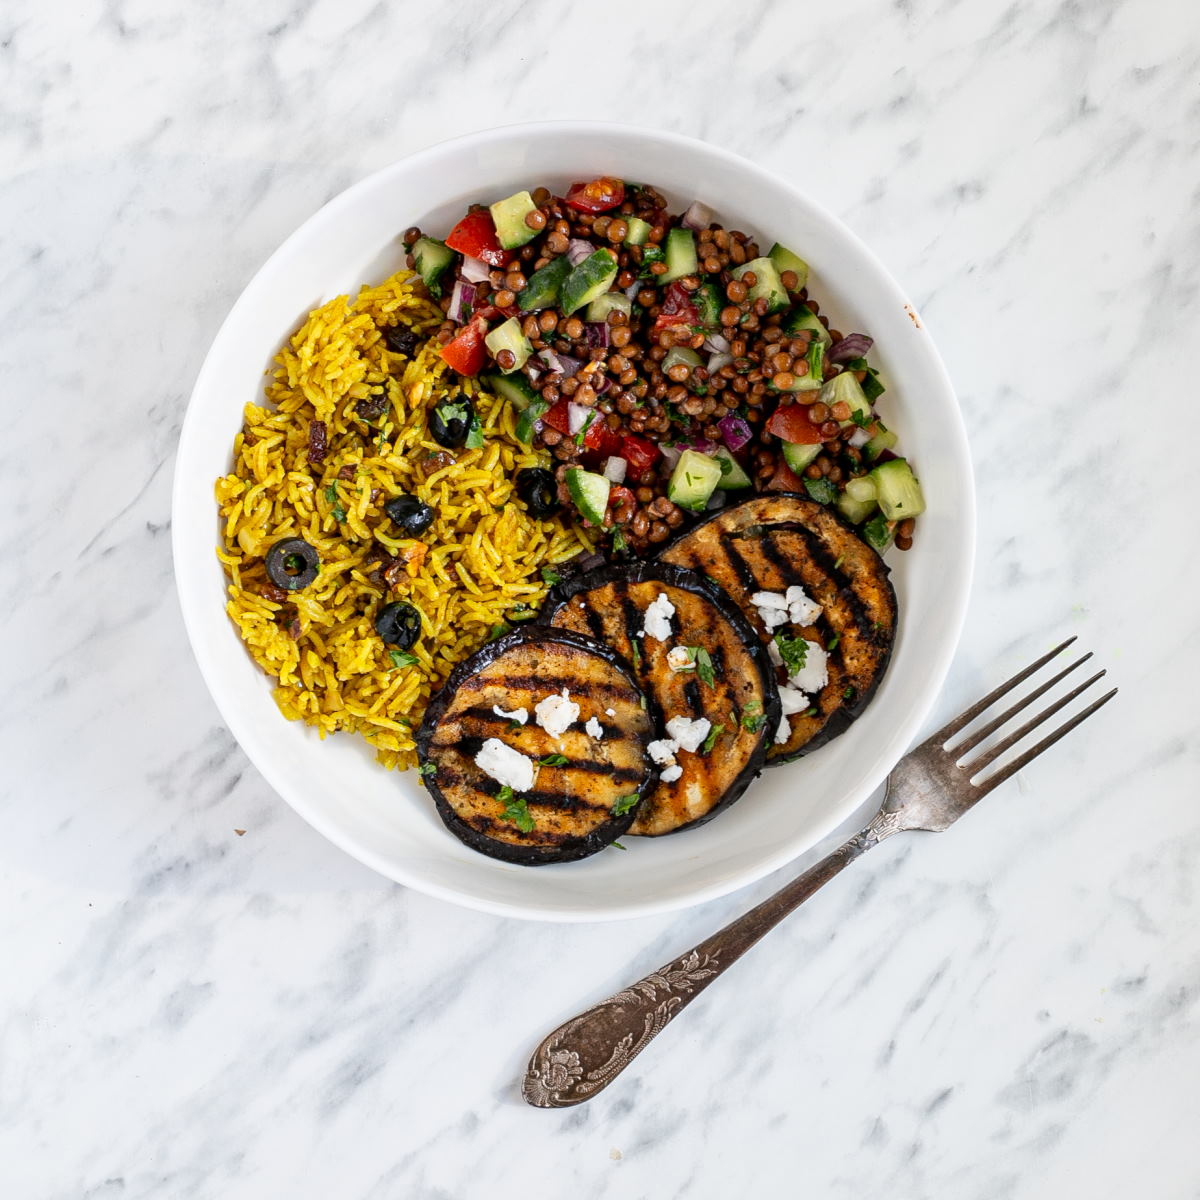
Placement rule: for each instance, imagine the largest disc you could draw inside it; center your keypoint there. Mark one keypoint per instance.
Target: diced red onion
(615, 468)
(475, 269)
(859, 438)
(717, 361)
(697, 216)
(716, 500)
(671, 454)
(597, 334)
(885, 456)
(462, 300)
(601, 383)
(578, 250)
(700, 445)
(716, 343)
(632, 290)
(562, 363)
(577, 415)
(854, 345)
(735, 432)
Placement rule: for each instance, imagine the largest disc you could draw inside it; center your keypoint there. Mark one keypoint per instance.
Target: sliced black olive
(398, 624)
(292, 564)
(539, 489)
(411, 515)
(400, 340)
(450, 422)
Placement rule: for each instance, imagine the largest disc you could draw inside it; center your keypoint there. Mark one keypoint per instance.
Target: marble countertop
(1011, 1010)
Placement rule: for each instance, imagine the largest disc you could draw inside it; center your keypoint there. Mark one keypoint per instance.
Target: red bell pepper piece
(677, 309)
(466, 353)
(598, 196)
(475, 235)
(641, 454)
(790, 422)
(559, 417)
(599, 439)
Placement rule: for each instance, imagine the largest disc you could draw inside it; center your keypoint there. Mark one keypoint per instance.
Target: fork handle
(585, 1054)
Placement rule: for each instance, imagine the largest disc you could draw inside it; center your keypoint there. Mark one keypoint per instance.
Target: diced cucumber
(680, 255)
(816, 361)
(798, 456)
(509, 217)
(542, 288)
(509, 337)
(432, 258)
(694, 480)
(766, 285)
(680, 354)
(516, 389)
(885, 439)
(651, 254)
(732, 475)
(802, 317)
(846, 389)
(802, 383)
(639, 231)
(591, 278)
(785, 260)
(862, 488)
(871, 386)
(589, 492)
(899, 492)
(855, 511)
(709, 303)
(599, 308)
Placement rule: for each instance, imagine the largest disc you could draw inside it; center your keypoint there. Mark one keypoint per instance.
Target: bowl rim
(955, 594)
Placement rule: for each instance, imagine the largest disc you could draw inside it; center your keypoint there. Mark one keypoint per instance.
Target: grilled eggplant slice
(731, 685)
(770, 542)
(586, 790)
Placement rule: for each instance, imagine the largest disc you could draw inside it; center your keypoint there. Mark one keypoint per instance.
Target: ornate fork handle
(589, 1051)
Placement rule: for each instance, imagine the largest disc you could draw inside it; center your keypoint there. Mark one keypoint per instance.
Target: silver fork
(929, 788)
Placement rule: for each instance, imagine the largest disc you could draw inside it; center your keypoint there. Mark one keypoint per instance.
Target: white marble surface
(1010, 1010)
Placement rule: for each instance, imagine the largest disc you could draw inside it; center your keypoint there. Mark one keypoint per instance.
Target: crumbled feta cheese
(671, 773)
(802, 608)
(769, 600)
(656, 621)
(814, 675)
(793, 700)
(783, 732)
(662, 752)
(610, 712)
(520, 715)
(679, 658)
(505, 765)
(556, 714)
(689, 734)
(594, 728)
(773, 653)
(772, 618)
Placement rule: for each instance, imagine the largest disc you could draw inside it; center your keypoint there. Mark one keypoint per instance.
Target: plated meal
(580, 515)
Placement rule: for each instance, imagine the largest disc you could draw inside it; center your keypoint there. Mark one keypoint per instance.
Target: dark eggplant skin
(784, 537)
(740, 753)
(449, 760)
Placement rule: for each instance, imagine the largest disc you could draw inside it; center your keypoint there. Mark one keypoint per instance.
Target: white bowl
(384, 818)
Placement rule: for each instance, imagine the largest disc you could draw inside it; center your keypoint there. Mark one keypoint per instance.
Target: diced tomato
(489, 311)
(677, 308)
(597, 196)
(475, 235)
(467, 352)
(601, 440)
(790, 422)
(618, 495)
(641, 454)
(785, 480)
(559, 416)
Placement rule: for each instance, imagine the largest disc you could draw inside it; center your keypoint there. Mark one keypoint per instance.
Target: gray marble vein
(1010, 1012)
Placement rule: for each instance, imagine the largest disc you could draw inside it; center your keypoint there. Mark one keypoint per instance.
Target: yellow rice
(476, 567)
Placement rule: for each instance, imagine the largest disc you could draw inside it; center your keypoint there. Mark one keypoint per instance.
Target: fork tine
(976, 738)
(1025, 759)
(989, 756)
(944, 734)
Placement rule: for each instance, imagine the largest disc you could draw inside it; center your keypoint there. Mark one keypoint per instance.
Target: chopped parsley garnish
(619, 541)
(516, 809)
(554, 760)
(475, 434)
(793, 651)
(752, 717)
(616, 846)
(625, 803)
(704, 667)
(837, 562)
(550, 576)
(833, 642)
(848, 693)
(401, 658)
(876, 532)
(635, 652)
(427, 769)
(821, 490)
(527, 421)
(812, 712)
(522, 612)
(584, 428)
(339, 514)
(710, 741)
(498, 630)
(331, 493)
(861, 419)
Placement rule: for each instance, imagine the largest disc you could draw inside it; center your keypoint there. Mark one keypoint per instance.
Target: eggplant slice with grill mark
(768, 543)
(610, 604)
(577, 806)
